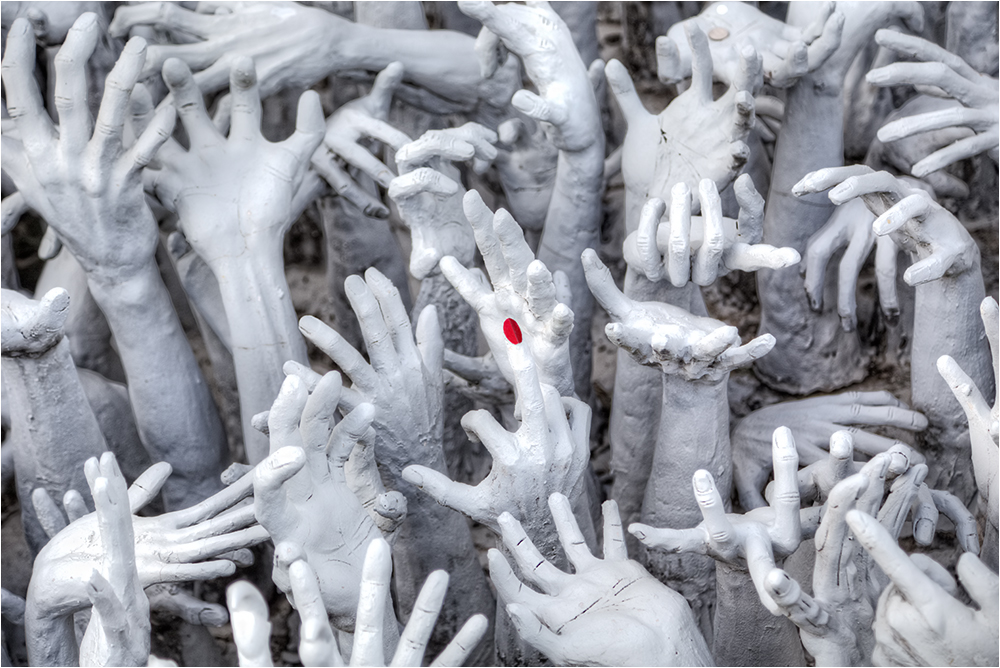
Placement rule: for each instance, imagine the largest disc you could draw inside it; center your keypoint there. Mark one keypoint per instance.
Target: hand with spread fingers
(429, 192)
(582, 618)
(679, 343)
(815, 421)
(984, 425)
(118, 632)
(301, 495)
(696, 137)
(317, 644)
(920, 619)
(752, 542)
(197, 543)
(977, 93)
(788, 52)
(702, 248)
(548, 453)
(523, 290)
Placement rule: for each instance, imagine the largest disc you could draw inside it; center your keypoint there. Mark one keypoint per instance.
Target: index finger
(602, 285)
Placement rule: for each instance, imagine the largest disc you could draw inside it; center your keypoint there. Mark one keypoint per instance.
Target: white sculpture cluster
(821, 529)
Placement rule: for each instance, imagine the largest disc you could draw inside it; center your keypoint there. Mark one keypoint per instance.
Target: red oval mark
(512, 331)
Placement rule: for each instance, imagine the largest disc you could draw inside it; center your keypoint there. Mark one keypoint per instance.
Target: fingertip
(175, 72)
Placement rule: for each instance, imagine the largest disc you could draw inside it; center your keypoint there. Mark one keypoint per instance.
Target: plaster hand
(195, 543)
(751, 542)
(233, 195)
(51, 21)
(656, 334)
(428, 193)
(118, 632)
(29, 327)
(404, 379)
(984, 424)
(815, 422)
(978, 94)
(787, 52)
(919, 620)
(696, 137)
(301, 494)
(702, 248)
(362, 118)
(523, 290)
(317, 645)
(565, 104)
(527, 164)
(79, 176)
(581, 618)
(478, 378)
(909, 216)
(548, 453)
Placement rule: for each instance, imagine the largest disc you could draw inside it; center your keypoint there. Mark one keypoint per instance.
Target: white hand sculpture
(984, 424)
(977, 92)
(523, 290)
(118, 632)
(317, 645)
(30, 328)
(702, 248)
(814, 421)
(788, 52)
(362, 118)
(527, 168)
(581, 618)
(548, 453)
(696, 137)
(429, 194)
(750, 542)
(301, 494)
(919, 620)
(656, 334)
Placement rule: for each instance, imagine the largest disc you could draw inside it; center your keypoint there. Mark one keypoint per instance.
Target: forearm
(55, 428)
(264, 335)
(173, 408)
(573, 224)
(51, 640)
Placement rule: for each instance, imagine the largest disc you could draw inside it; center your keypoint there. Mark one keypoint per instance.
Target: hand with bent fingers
(919, 619)
(317, 645)
(118, 632)
(578, 619)
(815, 421)
(656, 334)
(702, 248)
(356, 120)
(527, 167)
(523, 290)
(174, 547)
(752, 542)
(301, 494)
(788, 52)
(696, 137)
(428, 193)
(548, 453)
(978, 94)
(984, 424)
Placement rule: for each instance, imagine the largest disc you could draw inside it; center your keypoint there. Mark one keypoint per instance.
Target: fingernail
(512, 331)
(307, 324)
(702, 481)
(877, 76)
(924, 531)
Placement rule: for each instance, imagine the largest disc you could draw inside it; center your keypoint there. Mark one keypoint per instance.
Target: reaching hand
(527, 165)
(403, 381)
(696, 137)
(815, 421)
(301, 494)
(118, 632)
(977, 92)
(787, 52)
(233, 195)
(919, 620)
(656, 334)
(702, 248)
(581, 619)
(910, 216)
(523, 290)
(548, 453)
(29, 327)
(750, 542)
(80, 177)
